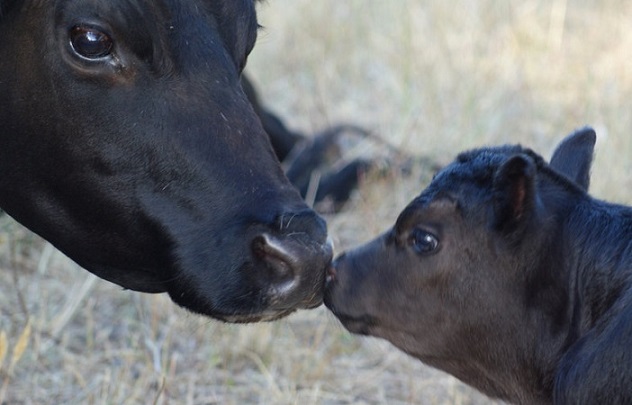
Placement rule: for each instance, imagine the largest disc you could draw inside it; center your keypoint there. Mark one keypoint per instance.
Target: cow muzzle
(294, 268)
(283, 269)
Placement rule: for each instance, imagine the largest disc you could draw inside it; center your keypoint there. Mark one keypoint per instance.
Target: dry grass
(431, 78)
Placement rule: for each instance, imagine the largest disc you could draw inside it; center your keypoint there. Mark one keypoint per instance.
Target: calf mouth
(341, 304)
(360, 325)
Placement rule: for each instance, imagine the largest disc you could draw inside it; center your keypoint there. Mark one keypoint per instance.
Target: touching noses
(294, 252)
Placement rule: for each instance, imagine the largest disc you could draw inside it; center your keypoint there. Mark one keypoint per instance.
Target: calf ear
(514, 193)
(574, 155)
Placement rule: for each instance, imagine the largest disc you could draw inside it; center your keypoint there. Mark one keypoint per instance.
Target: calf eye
(423, 242)
(89, 42)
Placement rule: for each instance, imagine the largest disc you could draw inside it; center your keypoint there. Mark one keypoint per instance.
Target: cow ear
(514, 193)
(573, 156)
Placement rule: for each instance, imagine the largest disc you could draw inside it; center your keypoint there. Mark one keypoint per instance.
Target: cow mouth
(274, 312)
(279, 299)
(266, 316)
(290, 276)
(278, 271)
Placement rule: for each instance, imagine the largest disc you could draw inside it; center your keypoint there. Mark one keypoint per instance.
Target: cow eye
(90, 43)
(423, 242)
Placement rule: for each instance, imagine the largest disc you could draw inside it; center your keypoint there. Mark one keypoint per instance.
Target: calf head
(129, 144)
(461, 281)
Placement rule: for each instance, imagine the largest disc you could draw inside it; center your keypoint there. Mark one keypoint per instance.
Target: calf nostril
(330, 244)
(331, 274)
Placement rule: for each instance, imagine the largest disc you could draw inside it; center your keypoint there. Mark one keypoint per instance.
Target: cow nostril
(280, 260)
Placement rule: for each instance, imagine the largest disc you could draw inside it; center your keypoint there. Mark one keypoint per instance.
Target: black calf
(505, 273)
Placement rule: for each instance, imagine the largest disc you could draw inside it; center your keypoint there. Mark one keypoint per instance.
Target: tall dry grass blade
(312, 188)
(45, 258)
(20, 346)
(16, 355)
(265, 371)
(4, 347)
(72, 305)
(4, 389)
(556, 25)
(161, 390)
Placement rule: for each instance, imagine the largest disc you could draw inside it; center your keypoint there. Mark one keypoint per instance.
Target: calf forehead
(471, 171)
(477, 165)
(469, 179)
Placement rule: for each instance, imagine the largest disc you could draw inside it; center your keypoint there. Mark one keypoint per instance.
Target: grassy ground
(431, 78)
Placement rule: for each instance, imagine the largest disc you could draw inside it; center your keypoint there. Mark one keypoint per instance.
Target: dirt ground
(430, 79)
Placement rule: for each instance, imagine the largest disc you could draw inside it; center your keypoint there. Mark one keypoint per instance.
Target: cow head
(127, 142)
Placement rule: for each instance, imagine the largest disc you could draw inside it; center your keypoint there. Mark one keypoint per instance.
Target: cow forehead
(220, 8)
(238, 26)
(229, 24)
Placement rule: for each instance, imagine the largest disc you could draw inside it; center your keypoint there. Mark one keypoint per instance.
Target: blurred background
(429, 79)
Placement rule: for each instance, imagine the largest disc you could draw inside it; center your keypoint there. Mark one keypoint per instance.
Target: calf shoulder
(596, 366)
(597, 369)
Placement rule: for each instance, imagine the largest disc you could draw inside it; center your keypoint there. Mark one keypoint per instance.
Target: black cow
(126, 140)
(505, 273)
